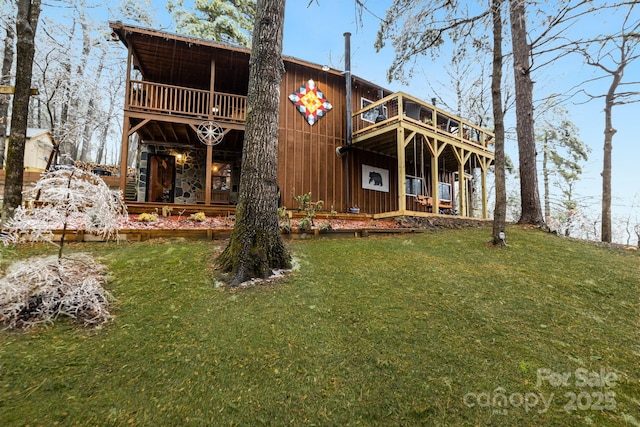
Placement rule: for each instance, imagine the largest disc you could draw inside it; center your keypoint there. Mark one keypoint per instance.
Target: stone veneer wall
(190, 173)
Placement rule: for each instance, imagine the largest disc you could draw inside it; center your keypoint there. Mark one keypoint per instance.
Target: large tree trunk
(26, 24)
(256, 245)
(5, 79)
(529, 194)
(500, 211)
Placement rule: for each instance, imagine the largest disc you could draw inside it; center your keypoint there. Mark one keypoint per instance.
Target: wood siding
(307, 160)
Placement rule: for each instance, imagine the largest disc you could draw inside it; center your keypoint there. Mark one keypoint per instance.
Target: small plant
(305, 223)
(148, 217)
(166, 211)
(325, 226)
(198, 217)
(284, 219)
(305, 204)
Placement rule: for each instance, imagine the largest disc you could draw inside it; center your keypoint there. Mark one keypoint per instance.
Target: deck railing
(400, 106)
(177, 100)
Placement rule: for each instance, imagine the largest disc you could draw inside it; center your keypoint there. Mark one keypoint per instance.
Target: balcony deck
(376, 124)
(163, 99)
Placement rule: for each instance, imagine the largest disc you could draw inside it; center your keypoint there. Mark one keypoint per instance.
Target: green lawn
(419, 329)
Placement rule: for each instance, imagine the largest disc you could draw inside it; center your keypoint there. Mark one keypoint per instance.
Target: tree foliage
(217, 20)
(563, 156)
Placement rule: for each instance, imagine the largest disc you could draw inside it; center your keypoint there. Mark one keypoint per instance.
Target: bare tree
(256, 245)
(26, 25)
(611, 55)
(500, 210)
(5, 79)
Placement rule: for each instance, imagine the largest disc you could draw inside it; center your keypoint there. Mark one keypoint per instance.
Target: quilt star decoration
(310, 101)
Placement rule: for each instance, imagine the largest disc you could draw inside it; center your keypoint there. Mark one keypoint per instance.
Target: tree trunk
(529, 194)
(609, 131)
(545, 176)
(5, 79)
(500, 211)
(26, 24)
(256, 245)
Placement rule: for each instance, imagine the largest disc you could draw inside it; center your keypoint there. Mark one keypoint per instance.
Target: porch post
(209, 161)
(402, 173)
(207, 179)
(462, 200)
(124, 154)
(212, 80)
(484, 164)
(435, 197)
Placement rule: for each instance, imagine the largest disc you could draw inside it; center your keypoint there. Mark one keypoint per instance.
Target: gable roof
(186, 61)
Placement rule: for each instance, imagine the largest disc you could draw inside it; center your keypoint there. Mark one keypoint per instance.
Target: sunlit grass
(406, 330)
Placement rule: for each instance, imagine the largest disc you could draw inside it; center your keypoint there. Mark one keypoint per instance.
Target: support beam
(207, 171)
(484, 162)
(402, 173)
(435, 175)
(136, 127)
(212, 82)
(124, 154)
(462, 156)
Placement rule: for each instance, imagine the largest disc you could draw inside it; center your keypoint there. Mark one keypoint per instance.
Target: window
(444, 191)
(220, 176)
(413, 185)
(371, 115)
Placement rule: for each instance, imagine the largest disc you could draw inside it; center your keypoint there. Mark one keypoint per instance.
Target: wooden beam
(485, 162)
(435, 197)
(10, 90)
(207, 179)
(124, 155)
(402, 191)
(136, 127)
(212, 81)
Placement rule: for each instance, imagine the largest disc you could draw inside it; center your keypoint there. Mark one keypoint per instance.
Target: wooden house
(349, 142)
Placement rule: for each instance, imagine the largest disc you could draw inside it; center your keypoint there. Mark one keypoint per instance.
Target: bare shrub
(39, 290)
(66, 199)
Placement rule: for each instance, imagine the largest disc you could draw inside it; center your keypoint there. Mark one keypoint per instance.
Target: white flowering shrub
(41, 289)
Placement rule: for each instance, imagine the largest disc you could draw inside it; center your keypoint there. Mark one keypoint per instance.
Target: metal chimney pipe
(349, 108)
(347, 76)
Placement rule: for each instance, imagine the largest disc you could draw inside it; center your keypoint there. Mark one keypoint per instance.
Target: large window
(444, 191)
(413, 185)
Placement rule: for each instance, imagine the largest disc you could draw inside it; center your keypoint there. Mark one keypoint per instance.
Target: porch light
(180, 158)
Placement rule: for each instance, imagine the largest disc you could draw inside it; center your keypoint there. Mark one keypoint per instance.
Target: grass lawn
(420, 329)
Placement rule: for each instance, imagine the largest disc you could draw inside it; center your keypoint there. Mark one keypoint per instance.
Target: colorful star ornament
(310, 101)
